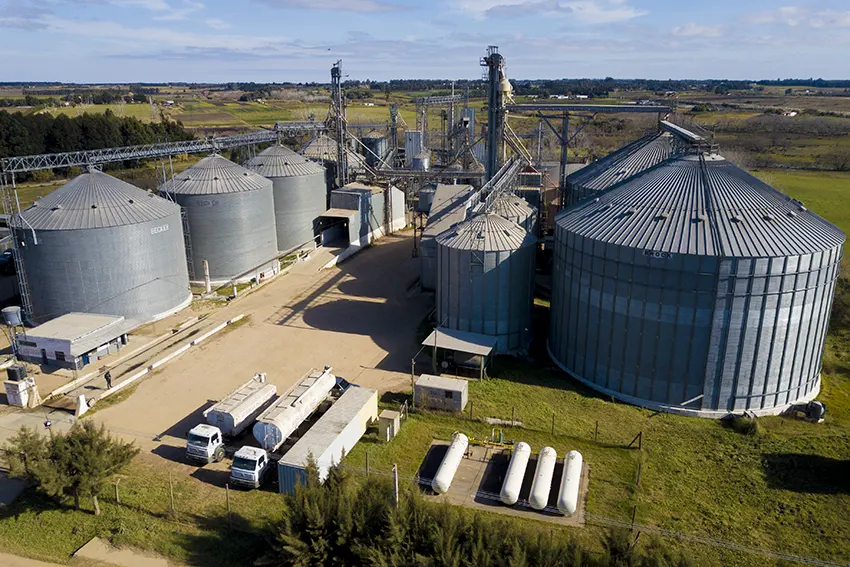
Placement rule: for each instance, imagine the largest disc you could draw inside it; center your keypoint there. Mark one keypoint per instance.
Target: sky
(298, 40)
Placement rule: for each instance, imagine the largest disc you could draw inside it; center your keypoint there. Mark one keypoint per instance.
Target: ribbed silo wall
(234, 232)
(428, 263)
(377, 147)
(298, 202)
(770, 322)
(630, 323)
(487, 292)
(137, 270)
(659, 330)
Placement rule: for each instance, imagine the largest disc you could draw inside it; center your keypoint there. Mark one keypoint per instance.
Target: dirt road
(359, 317)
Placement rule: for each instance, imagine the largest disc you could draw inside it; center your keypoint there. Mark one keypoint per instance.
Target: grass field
(141, 111)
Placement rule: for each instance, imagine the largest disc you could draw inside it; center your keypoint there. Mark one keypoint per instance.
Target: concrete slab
(478, 482)
(98, 550)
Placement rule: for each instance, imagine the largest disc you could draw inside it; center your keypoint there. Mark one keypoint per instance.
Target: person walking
(108, 377)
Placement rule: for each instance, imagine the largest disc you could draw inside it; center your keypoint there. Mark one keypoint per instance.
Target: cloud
(335, 5)
(696, 30)
(23, 16)
(794, 16)
(175, 14)
(585, 11)
(216, 24)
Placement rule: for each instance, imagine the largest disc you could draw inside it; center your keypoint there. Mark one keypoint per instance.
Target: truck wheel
(218, 455)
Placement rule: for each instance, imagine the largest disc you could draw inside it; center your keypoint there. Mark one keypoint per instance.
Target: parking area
(359, 317)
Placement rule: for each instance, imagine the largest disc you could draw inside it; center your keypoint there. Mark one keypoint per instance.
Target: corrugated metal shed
(335, 433)
(215, 175)
(619, 166)
(701, 205)
(96, 200)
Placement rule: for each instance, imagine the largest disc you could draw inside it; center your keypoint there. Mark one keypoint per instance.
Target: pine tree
(74, 464)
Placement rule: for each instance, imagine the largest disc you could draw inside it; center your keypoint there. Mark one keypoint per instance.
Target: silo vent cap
(94, 206)
(131, 201)
(56, 208)
(698, 218)
(661, 216)
(792, 214)
(768, 217)
(737, 218)
(215, 178)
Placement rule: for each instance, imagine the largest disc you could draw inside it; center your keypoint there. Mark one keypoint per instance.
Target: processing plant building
(694, 288)
(100, 245)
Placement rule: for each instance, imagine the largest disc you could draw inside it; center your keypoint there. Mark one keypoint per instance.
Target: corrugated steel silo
(694, 288)
(485, 280)
(324, 149)
(231, 215)
(421, 161)
(103, 246)
(300, 194)
(619, 166)
(516, 209)
(376, 148)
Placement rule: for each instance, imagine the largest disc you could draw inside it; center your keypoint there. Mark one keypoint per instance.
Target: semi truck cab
(205, 444)
(249, 467)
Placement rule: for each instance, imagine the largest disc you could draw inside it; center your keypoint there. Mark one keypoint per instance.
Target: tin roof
(85, 331)
(622, 164)
(280, 161)
(486, 232)
(443, 382)
(447, 208)
(701, 204)
(511, 207)
(96, 200)
(215, 175)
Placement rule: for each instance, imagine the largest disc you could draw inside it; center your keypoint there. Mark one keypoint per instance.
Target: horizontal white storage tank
(516, 473)
(446, 473)
(241, 407)
(542, 483)
(281, 419)
(331, 437)
(570, 481)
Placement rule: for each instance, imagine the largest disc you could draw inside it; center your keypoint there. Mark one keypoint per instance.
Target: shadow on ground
(812, 474)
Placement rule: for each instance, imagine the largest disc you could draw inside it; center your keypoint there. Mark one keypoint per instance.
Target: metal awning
(339, 213)
(461, 341)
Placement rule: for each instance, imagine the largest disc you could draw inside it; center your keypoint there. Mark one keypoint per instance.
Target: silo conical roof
(486, 232)
(280, 161)
(96, 200)
(512, 207)
(324, 148)
(701, 204)
(215, 175)
(622, 164)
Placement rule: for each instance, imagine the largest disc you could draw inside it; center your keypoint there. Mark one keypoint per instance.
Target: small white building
(439, 392)
(73, 340)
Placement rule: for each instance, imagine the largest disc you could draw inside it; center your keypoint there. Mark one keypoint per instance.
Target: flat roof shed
(480, 347)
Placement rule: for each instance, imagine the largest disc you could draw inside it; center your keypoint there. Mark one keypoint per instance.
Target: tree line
(28, 134)
(353, 521)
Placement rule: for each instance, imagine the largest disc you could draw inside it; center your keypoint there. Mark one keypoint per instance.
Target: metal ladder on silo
(12, 209)
(187, 239)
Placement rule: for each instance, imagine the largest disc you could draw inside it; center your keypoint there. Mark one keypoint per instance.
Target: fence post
(117, 497)
(470, 410)
(227, 499)
(513, 411)
(367, 463)
(553, 423)
(395, 484)
(596, 432)
(171, 491)
(640, 470)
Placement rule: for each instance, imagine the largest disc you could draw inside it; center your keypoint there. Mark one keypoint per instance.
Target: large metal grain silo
(694, 288)
(517, 209)
(300, 195)
(485, 280)
(619, 166)
(100, 245)
(231, 218)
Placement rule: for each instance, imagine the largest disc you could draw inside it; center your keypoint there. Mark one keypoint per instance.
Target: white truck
(228, 418)
(277, 423)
